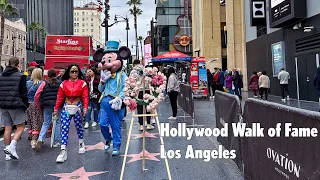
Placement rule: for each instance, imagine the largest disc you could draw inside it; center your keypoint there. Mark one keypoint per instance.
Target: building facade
(289, 39)
(87, 22)
(55, 15)
(174, 27)
(219, 33)
(14, 43)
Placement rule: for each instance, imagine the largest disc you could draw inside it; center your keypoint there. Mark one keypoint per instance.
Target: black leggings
(140, 109)
(173, 95)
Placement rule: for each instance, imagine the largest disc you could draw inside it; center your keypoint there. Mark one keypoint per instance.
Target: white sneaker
(82, 149)
(255, 96)
(172, 118)
(94, 124)
(86, 126)
(56, 145)
(62, 156)
(11, 151)
(8, 158)
(149, 127)
(141, 128)
(288, 98)
(153, 121)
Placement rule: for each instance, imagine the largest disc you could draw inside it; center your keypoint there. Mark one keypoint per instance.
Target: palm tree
(135, 11)
(140, 38)
(6, 10)
(36, 28)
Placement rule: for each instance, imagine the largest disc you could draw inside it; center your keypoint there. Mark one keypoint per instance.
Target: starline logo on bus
(67, 41)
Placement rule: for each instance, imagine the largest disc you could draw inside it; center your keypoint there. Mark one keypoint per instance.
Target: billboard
(68, 45)
(278, 57)
(286, 12)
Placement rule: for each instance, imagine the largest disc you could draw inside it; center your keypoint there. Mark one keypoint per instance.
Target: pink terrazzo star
(147, 134)
(148, 156)
(99, 146)
(79, 174)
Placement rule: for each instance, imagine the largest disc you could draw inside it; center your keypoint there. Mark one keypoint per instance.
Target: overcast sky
(118, 32)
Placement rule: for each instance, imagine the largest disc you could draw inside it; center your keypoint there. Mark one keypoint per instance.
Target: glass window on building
(87, 13)
(83, 14)
(91, 24)
(75, 30)
(91, 19)
(83, 24)
(83, 30)
(92, 30)
(7, 50)
(8, 36)
(92, 14)
(87, 30)
(82, 19)
(75, 24)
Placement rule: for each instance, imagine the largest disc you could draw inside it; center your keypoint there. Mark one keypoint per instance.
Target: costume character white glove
(105, 75)
(116, 103)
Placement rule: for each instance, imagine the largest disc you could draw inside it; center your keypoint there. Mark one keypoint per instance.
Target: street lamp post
(125, 19)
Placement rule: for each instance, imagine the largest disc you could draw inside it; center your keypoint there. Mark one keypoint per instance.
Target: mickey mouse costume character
(112, 83)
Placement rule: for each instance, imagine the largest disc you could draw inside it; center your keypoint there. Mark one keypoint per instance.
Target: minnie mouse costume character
(112, 83)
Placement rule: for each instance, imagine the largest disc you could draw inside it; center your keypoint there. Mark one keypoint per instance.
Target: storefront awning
(172, 56)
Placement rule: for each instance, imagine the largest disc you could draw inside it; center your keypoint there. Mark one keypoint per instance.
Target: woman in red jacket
(73, 93)
(253, 84)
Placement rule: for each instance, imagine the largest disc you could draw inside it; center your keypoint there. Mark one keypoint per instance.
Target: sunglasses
(74, 72)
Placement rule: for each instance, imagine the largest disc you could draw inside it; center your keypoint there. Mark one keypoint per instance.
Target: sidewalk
(98, 164)
(308, 105)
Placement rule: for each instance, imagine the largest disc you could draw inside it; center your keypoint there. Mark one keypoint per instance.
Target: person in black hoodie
(13, 104)
(45, 98)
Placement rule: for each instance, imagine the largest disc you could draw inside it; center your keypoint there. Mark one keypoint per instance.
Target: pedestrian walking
(73, 93)
(13, 104)
(221, 80)
(173, 91)
(45, 98)
(229, 79)
(237, 83)
(254, 83)
(284, 77)
(138, 72)
(264, 84)
(34, 114)
(93, 80)
(210, 83)
(30, 69)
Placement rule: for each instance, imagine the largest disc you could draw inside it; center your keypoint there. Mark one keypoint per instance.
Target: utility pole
(105, 23)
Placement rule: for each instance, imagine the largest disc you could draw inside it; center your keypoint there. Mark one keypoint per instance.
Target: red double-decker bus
(63, 50)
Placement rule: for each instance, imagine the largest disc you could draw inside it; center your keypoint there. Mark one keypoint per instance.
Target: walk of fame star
(79, 174)
(148, 156)
(99, 146)
(147, 134)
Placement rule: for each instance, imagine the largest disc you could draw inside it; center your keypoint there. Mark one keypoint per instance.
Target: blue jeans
(93, 105)
(230, 90)
(47, 117)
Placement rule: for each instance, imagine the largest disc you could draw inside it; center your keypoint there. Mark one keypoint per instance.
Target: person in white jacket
(284, 77)
(264, 84)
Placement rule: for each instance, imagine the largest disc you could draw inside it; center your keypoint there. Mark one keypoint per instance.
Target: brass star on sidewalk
(80, 174)
(148, 156)
(147, 134)
(99, 146)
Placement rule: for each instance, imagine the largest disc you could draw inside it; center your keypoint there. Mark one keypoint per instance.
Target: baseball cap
(33, 63)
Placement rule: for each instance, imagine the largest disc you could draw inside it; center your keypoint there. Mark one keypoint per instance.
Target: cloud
(118, 31)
